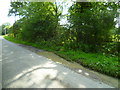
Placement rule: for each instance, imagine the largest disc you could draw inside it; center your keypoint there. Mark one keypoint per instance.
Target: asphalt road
(22, 68)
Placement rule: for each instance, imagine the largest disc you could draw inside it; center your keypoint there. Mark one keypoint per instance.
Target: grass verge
(105, 64)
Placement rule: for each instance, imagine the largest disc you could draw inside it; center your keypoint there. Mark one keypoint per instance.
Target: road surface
(22, 68)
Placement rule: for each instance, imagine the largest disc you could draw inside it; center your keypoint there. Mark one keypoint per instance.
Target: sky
(4, 9)
(5, 6)
(66, 6)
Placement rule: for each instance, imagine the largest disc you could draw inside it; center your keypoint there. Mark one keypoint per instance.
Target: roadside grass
(105, 64)
(98, 62)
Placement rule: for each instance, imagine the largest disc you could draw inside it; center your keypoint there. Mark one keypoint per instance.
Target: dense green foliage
(39, 20)
(91, 30)
(4, 28)
(93, 24)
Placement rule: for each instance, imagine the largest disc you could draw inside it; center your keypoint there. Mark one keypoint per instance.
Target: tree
(38, 19)
(4, 28)
(92, 22)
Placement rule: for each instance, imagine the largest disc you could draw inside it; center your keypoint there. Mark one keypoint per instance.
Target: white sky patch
(4, 9)
(5, 6)
(66, 7)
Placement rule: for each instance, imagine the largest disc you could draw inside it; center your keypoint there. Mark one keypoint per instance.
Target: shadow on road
(22, 68)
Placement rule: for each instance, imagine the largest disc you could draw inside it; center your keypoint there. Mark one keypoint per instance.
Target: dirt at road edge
(76, 67)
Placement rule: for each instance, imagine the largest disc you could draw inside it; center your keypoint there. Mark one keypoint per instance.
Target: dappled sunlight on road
(47, 75)
(79, 70)
(36, 77)
(83, 72)
(87, 74)
(25, 69)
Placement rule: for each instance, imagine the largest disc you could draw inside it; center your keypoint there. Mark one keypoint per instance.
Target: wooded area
(91, 28)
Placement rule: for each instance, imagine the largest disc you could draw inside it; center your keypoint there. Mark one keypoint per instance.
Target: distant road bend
(22, 68)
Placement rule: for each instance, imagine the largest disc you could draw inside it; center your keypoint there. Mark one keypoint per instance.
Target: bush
(110, 48)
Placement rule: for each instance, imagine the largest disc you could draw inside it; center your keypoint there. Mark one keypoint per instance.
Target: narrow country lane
(22, 68)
